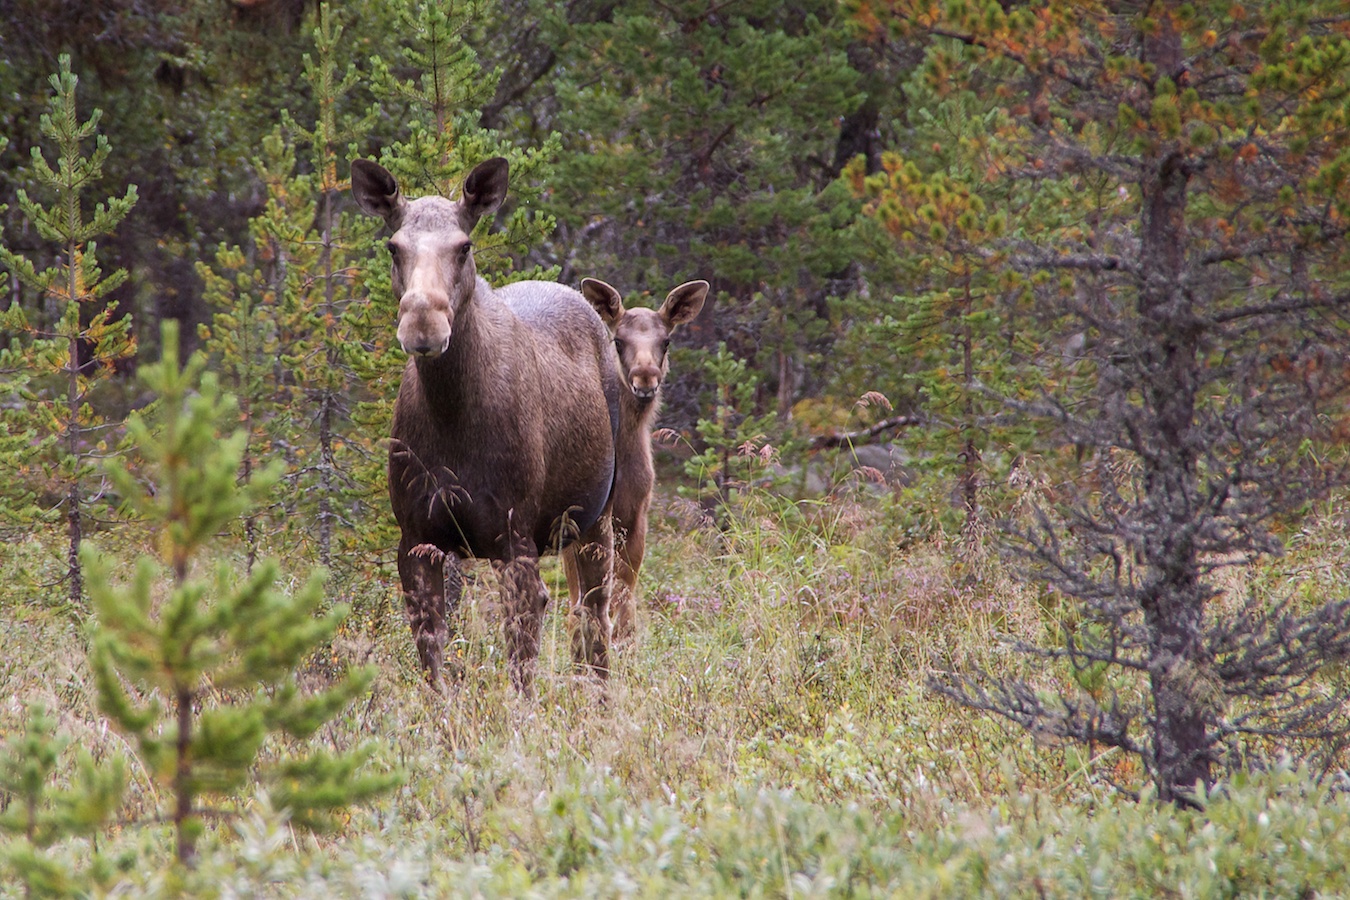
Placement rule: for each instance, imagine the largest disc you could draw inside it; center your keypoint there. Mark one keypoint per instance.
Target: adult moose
(642, 341)
(504, 426)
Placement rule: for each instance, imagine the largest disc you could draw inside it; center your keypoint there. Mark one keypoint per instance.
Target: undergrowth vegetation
(770, 734)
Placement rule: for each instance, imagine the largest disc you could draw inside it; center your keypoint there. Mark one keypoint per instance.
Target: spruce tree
(196, 664)
(64, 363)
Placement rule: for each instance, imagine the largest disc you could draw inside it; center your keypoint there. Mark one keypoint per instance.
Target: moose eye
(393, 251)
(619, 345)
(665, 346)
(463, 250)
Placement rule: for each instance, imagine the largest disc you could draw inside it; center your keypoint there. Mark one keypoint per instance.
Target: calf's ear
(684, 303)
(376, 191)
(606, 300)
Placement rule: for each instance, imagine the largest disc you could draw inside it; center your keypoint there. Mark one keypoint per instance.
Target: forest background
(1025, 354)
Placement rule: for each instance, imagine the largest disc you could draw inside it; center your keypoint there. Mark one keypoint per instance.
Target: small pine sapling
(80, 347)
(198, 667)
(733, 439)
(39, 817)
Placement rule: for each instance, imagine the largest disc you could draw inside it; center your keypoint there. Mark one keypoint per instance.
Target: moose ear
(484, 191)
(606, 300)
(376, 191)
(684, 303)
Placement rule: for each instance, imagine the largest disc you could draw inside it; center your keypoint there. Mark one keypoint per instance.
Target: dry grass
(788, 651)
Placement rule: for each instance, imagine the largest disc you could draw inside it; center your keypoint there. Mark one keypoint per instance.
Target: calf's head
(642, 336)
(433, 268)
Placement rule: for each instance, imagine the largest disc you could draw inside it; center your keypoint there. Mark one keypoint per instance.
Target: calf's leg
(630, 546)
(589, 616)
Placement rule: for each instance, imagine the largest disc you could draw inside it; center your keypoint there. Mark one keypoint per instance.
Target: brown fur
(641, 340)
(504, 427)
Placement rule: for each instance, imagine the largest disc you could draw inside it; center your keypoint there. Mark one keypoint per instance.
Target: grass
(770, 735)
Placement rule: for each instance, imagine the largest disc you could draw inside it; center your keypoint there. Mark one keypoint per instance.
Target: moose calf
(641, 340)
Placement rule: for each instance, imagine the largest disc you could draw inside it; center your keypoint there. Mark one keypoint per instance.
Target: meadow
(771, 734)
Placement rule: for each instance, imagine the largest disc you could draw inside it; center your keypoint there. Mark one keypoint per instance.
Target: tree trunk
(74, 526)
(250, 520)
(970, 453)
(1172, 598)
(326, 459)
(182, 812)
(326, 481)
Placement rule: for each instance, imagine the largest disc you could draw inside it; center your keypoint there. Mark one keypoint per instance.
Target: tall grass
(768, 735)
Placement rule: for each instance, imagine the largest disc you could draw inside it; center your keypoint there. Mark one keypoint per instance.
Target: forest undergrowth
(771, 733)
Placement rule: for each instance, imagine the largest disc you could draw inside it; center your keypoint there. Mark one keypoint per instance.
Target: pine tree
(440, 103)
(1190, 175)
(198, 667)
(959, 323)
(295, 334)
(323, 280)
(39, 817)
(734, 441)
(18, 503)
(67, 432)
(242, 339)
(700, 146)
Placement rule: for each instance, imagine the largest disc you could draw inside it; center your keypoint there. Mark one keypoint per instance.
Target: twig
(840, 438)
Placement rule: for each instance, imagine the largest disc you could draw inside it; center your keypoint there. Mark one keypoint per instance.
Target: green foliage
(54, 430)
(735, 444)
(443, 141)
(201, 638)
(692, 150)
(1275, 834)
(39, 816)
(769, 734)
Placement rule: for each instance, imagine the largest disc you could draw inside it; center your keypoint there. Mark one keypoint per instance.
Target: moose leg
(572, 571)
(589, 619)
(422, 573)
(630, 545)
(623, 602)
(453, 573)
(524, 598)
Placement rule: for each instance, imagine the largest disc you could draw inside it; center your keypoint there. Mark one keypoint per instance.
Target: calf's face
(642, 336)
(433, 271)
